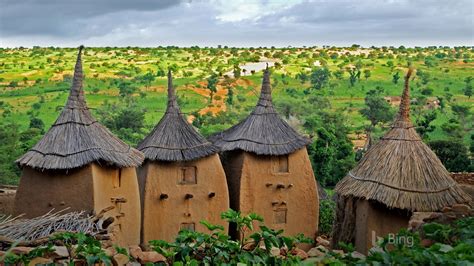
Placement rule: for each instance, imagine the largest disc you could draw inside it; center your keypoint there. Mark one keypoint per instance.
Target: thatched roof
(77, 139)
(263, 132)
(401, 171)
(173, 138)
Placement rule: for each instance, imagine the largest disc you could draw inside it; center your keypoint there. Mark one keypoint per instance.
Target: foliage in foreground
(441, 245)
(217, 248)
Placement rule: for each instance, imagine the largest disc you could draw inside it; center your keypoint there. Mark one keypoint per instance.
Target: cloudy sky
(236, 22)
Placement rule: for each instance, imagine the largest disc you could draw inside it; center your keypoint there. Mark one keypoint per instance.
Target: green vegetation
(335, 95)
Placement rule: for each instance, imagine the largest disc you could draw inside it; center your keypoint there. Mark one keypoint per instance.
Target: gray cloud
(236, 23)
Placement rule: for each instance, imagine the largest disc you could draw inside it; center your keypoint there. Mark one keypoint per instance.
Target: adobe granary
(182, 181)
(268, 169)
(397, 176)
(79, 164)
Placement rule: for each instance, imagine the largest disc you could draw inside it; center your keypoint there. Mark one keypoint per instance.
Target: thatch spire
(173, 138)
(403, 116)
(172, 100)
(401, 171)
(263, 132)
(77, 139)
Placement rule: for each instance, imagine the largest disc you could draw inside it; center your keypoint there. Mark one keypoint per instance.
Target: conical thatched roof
(173, 138)
(77, 139)
(401, 171)
(263, 132)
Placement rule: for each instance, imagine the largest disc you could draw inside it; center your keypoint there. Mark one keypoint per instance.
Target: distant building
(268, 169)
(396, 177)
(81, 165)
(182, 181)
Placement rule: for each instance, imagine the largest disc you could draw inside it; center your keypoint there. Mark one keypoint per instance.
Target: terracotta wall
(277, 196)
(375, 220)
(163, 218)
(41, 191)
(119, 188)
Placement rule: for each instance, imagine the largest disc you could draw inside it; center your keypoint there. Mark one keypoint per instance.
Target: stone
(315, 252)
(447, 209)
(275, 251)
(435, 215)
(135, 251)
(461, 208)
(133, 263)
(21, 250)
(110, 251)
(357, 255)
(322, 241)
(151, 257)
(426, 243)
(249, 246)
(120, 259)
(414, 224)
(338, 251)
(299, 253)
(40, 261)
(60, 252)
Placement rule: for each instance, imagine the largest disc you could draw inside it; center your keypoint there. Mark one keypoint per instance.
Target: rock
(322, 248)
(427, 243)
(461, 208)
(151, 257)
(59, 252)
(275, 251)
(447, 209)
(106, 243)
(338, 251)
(299, 253)
(435, 215)
(451, 215)
(133, 263)
(40, 261)
(110, 251)
(21, 250)
(249, 246)
(414, 224)
(120, 259)
(357, 255)
(135, 251)
(322, 241)
(315, 252)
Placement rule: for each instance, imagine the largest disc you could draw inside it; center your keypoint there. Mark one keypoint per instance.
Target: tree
(319, 78)
(468, 89)
(236, 71)
(396, 77)
(126, 88)
(9, 152)
(212, 84)
(424, 124)
(453, 154)
(160, 72)
(37, 123)
(376, 109)
(367, 74)
(354, 75)
(230, 96)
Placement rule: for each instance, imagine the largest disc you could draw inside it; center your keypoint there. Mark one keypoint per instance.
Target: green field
(35, 82)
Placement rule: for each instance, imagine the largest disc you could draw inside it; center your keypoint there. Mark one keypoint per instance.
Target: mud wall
(169, 204)
(282, 190)
(119, 188)
(375, 220)
(42, 191)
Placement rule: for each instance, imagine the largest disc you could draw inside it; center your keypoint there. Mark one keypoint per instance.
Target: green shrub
(327, 209)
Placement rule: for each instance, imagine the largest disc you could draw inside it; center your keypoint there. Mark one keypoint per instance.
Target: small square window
(187, 175)
(188, 226)
(279, 216)
(280, 164)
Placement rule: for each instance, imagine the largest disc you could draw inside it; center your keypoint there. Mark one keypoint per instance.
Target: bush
(327, 209)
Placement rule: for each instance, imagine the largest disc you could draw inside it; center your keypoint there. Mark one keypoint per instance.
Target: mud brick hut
(396, 177)
(268, 169)
(81, 165)
(182, 181)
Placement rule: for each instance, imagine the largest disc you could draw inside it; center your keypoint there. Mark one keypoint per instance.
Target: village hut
(268, 169)
(80, 165)
(396, 177)
(182, 181)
